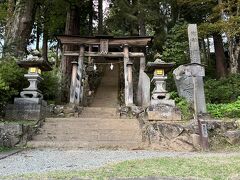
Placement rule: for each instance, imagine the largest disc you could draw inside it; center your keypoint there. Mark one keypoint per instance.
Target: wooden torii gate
(104, 43)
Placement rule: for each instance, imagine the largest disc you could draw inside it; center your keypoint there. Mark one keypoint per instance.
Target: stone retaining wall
(185, 137)
(16, 134)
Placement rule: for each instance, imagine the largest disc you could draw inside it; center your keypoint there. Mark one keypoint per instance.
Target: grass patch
(5, 149)
(21, 122)
(215, 168)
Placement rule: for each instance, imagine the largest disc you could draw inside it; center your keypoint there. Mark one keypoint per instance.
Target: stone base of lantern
(32, 109)
(166, 111)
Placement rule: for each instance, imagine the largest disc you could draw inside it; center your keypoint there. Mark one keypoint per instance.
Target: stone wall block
(170, 131)
(233, 137)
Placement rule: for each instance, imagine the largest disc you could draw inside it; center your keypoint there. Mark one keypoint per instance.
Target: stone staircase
(97, 126)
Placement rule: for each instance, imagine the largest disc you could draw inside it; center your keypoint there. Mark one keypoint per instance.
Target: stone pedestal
(26, 109)
(164, 112)
(32, 91)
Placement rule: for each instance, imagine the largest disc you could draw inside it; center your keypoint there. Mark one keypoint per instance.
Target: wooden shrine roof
(112, 41)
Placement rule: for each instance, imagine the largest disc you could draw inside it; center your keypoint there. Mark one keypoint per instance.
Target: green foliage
(11, 81)
(50, 85)
(129, 17)
(224, 90)
(230, 110)
(5, 149)
(176, 45)
(183, 105)
(3, 11)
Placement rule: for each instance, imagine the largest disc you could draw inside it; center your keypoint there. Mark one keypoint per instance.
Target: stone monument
(189, 77)
(30, 106)
(162, 107)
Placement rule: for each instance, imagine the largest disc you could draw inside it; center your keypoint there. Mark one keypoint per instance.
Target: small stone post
(143, 94)
(79, 86)
(73, 81)
(128, 77)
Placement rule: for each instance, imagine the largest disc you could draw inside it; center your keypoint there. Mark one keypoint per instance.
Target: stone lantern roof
(159, 64)
(35, 59)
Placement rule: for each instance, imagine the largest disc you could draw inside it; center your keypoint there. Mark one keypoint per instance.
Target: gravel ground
(45, 160)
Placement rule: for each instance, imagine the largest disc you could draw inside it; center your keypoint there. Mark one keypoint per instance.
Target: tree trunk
(220, 56)
(38, 34)
(100, 16)
(72, 28)
(11, 7)
(19, 27)
(142, 27)
(90, 25)
(208, 51)
(234, 50)
(45, 44)
(204, 51)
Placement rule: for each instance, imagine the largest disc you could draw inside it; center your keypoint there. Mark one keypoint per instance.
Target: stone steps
(91, 137)
(88, 133)
(84, 144)
(96, 112)
(96, 126)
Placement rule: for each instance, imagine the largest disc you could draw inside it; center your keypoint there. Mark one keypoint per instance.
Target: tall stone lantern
(30, 106)
(162, 107)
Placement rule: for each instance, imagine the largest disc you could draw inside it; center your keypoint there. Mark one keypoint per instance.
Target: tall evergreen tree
(19, 26)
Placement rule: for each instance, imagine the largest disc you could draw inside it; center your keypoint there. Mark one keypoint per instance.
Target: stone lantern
(30, 106)
(162, 107)
(159, 69)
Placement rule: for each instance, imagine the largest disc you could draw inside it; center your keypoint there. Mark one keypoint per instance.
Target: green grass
(21, 122)
(4, 149)
(215, 168)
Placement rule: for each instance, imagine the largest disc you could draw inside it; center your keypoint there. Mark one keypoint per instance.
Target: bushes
(183, 105)
(50, 86)
(230, 110)
(225, 90)
(223, 97)
(11, 81)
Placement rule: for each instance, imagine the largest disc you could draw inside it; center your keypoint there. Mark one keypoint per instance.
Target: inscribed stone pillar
(143, 94)
(128, 77)
(196, 58)
(189, 77)
(79, 88)
(194, 44)
(73, 81)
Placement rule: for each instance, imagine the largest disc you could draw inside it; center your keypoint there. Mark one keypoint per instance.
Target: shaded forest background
(34, 24)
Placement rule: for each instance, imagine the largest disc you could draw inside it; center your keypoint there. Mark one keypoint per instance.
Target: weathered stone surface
(193, 43)
(182, 143)
(196, 141)
(189, 78)
(145, 90)
(177, 137)
(154, 135)
(233, 137)
(23, 101)
(163, 112)
(230, 125)
(184, 80)
(27, 112)
(10, 134)
(170, 131)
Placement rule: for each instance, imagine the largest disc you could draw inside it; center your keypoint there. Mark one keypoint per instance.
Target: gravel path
(45, 160)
